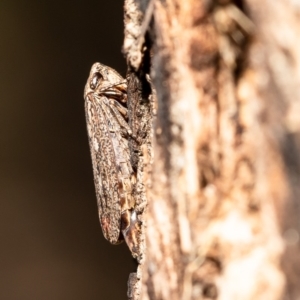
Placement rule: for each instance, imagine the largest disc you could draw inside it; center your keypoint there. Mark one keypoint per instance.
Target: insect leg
(130, 228)
(119, 116)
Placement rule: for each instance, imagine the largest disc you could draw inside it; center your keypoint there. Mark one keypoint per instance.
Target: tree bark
(220, 162)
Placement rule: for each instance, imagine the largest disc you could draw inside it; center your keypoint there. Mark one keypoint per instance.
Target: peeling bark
(222, 172)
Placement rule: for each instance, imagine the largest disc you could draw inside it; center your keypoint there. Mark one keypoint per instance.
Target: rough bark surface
(222, 216)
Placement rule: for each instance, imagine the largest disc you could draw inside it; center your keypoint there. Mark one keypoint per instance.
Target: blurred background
(52, 245)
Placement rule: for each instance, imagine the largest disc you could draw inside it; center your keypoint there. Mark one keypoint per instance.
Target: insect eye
(95, 80)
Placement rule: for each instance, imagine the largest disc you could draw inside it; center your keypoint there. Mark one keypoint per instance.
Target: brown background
(52, 246)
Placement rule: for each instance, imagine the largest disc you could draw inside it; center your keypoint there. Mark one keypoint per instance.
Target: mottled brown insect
(106, 115)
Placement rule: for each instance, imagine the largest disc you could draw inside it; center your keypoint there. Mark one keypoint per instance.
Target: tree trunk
(220, 165)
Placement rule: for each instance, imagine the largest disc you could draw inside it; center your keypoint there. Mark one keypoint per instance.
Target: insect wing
(105, 168)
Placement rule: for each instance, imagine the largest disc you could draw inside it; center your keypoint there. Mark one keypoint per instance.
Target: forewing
(105, 166)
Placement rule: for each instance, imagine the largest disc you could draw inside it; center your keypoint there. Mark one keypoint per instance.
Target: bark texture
(223, 191)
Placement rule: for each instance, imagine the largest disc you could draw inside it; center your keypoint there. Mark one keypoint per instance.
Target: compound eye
(95, 80)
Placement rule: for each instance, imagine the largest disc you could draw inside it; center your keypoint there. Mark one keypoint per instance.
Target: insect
(106, 111)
